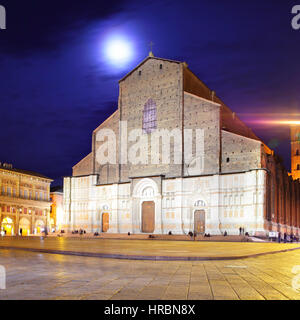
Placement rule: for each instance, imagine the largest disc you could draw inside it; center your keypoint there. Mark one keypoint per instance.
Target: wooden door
(148, 216)
(105, 222)
(199, 222)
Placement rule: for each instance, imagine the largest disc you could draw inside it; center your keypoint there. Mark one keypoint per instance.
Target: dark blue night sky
(57, 85)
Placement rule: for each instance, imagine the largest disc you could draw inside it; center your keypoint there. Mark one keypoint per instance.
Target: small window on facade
(227, 160)
(149, 116)
(298, 166)
(297, 153)
(160, 66)
(140, 73)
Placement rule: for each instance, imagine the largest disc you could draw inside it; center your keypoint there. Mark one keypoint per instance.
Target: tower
(295, 151)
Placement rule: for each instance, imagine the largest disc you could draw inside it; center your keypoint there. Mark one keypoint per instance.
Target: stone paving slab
(59, 277)
(146, 250)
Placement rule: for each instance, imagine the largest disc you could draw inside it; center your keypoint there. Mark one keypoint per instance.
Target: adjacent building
(239, 182)
(56, 210)
(24, 201)
(295, 152)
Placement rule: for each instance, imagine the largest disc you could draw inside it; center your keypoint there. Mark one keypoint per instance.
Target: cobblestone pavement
(50, 276)
(148, 247)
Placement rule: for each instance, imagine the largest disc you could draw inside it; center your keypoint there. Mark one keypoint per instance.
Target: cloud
(34, 25)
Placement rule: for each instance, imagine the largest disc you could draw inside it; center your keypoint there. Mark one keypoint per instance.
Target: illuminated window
(149, 116)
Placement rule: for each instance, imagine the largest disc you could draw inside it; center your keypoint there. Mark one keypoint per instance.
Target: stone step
(232, 238)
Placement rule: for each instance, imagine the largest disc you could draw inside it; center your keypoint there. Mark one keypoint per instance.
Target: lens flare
(276, 122)
(271, 119)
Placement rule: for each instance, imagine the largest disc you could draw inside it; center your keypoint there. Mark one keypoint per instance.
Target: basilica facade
(218, 175)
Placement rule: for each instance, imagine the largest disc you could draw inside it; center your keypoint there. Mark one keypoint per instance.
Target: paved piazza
(57, 276)
(147, 247)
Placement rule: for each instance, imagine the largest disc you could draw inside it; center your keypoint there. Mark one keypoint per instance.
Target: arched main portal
(24, 227)
(8, 226)
(146, 207)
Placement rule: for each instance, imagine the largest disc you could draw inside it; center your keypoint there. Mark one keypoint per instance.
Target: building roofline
(27, 173)
(102, 123)
(146, 59)
(82, 176)
(82, 160)
(239, 135)
(203, 99)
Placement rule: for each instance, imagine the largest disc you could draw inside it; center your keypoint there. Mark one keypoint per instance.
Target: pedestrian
(240, 231)
(21, 232)
(285, 237)
(279, 237)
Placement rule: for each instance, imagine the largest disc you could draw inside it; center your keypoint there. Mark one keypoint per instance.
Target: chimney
(213, 95)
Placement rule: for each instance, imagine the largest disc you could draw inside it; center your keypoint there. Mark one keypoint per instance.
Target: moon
(118, 51)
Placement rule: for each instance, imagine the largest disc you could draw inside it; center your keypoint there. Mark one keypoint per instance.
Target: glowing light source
(118, 51)
(284, 119)
(276, 122)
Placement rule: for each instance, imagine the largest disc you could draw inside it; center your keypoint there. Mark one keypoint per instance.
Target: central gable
(150, 99)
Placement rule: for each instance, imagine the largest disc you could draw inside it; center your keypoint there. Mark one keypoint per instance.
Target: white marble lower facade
(229, 201)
